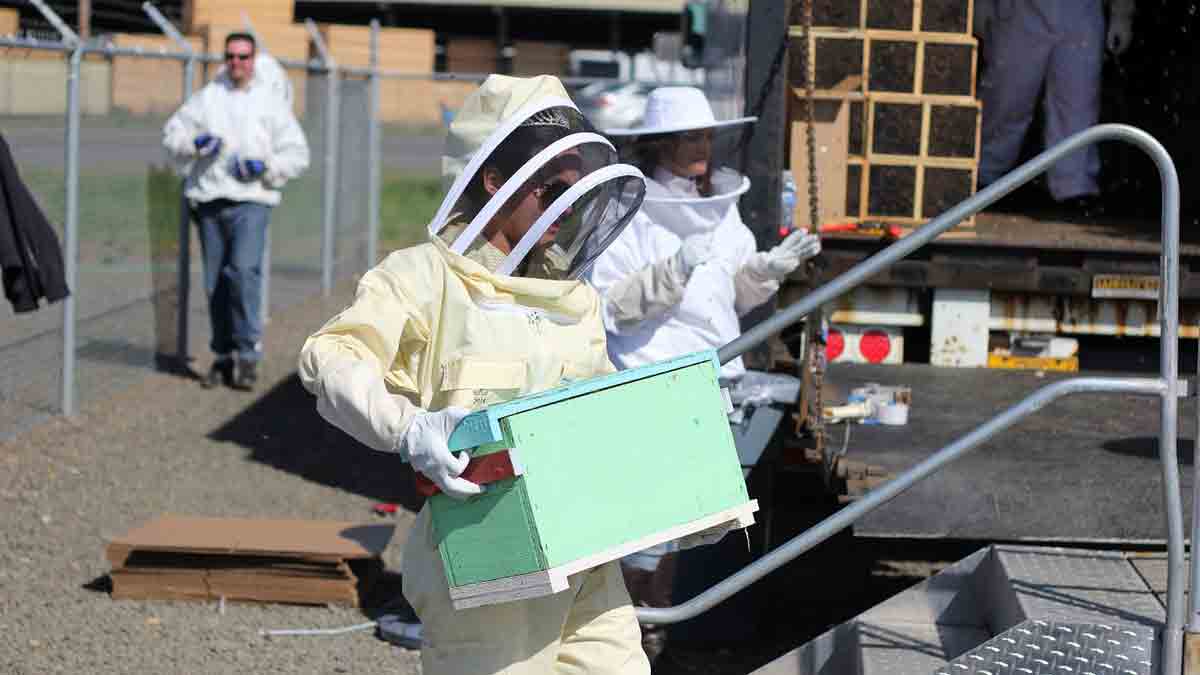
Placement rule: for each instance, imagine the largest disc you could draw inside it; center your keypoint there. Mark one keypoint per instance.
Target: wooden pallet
(924, 16)
(888, 61)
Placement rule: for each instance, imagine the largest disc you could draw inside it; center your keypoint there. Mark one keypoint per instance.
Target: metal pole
(892, 489)
(374, 151)
(183, 287)
(330, 183)
(329, 213)
(71, 227)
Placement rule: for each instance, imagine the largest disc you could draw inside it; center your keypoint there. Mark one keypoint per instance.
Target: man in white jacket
(238, 143)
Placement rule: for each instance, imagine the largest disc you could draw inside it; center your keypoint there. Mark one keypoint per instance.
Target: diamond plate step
(1074, 585)
(977, 604)
(1039, 647)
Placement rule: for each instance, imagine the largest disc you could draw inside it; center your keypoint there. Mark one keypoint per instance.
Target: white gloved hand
(425, 445)
(787, 256)
(1120, 26)
(695, 251)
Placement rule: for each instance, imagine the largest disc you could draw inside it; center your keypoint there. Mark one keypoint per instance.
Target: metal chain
(810, 109)
(814, 339)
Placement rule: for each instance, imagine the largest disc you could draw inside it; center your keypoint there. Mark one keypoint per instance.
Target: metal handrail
(1166, 387)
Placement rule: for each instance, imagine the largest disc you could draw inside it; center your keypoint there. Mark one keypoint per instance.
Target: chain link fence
(84, 121)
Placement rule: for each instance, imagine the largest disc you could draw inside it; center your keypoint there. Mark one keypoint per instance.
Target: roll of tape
(893, 414)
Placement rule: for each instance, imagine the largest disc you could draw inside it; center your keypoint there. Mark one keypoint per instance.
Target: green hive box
(605, 467)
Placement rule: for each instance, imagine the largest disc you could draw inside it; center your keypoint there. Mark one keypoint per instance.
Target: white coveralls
(1058, 44)
(252, 123)
(651, 315)
(441, 329)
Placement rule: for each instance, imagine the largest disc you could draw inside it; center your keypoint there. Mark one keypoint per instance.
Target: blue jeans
(233, 236)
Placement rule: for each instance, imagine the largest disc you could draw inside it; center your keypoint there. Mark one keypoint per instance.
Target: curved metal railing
(1165, 386)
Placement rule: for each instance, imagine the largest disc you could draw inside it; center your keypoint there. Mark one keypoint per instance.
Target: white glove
(695, 251)
(787, 256)
(1120, 26)
(353, 398)
(425, 445)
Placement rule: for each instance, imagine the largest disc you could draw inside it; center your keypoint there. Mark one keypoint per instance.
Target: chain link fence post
(374, 185)
(330, 183)
(184, 288)
(71, 230)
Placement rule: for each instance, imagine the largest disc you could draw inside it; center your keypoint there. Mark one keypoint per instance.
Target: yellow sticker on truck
(1130, 286)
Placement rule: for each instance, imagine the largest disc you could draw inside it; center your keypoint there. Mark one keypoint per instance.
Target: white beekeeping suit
(256, 122)
(1056, 44)
(678, 279)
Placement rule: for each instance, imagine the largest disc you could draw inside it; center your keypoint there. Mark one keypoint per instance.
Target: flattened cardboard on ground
(314, 540)
(292, 561)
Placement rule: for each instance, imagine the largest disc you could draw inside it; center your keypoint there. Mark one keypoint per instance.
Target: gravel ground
(166, 445)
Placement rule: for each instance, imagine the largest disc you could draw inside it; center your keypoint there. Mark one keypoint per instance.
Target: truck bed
(1022, 253)
(1083, 469)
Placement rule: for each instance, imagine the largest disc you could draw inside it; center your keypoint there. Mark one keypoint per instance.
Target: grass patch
(408, 201)
(130, 213)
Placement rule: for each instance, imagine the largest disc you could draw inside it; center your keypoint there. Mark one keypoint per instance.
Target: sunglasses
(547, 193)
(230, 56)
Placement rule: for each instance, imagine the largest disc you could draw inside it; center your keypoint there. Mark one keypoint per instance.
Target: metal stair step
(1078, 586)
(963, 616)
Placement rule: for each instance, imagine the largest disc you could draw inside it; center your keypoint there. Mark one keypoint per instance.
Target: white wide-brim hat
(672, 109)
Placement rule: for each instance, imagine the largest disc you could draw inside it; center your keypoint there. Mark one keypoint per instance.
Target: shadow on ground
(1147, 447)
(282, 429)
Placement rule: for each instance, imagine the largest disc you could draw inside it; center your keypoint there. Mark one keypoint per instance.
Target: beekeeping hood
(586, 197)
(673, 201)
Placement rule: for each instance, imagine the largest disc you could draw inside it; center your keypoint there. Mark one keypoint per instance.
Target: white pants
(588, 629)
(1031, 43)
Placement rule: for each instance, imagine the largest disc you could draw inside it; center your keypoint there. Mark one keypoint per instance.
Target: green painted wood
(483, 426)
(626, 462)
(606, 461)
(489, 537)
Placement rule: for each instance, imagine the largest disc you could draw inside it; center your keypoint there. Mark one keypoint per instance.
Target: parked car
(613, 105)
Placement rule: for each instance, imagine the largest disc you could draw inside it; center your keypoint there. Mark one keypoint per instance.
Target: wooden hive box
(920, 63)
(600, 468)
(838, 125)
(838, 55)
(888, 61)
(925, 16)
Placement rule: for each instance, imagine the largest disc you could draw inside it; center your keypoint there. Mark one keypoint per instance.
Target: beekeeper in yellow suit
(489, 309)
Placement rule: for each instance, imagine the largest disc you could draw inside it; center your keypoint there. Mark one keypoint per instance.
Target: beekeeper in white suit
(679, 278)
(490, 308)
(1058, 45)
(238, 143)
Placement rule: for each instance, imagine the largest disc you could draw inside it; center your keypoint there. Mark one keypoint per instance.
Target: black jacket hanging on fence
(30, 257)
